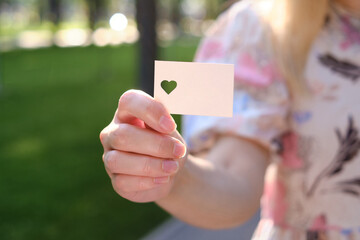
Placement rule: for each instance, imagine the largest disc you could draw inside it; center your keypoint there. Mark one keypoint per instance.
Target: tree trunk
(42, 10)
(55, 11)
(96, 10)
(175, 12)
(146, 20)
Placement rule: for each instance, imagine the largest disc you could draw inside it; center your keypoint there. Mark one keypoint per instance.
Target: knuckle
(155, 108)
(147, 167)
(121, 134)
(110, 161)
(150, 106)
(126, 98)
(103, 135)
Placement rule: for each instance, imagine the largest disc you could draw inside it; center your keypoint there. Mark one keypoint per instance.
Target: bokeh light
(118, 22)
(72, 37)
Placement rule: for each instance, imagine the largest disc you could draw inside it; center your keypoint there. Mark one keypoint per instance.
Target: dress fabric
(312, 187)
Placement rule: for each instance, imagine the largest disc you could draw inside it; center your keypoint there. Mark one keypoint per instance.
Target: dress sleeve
(261, 99)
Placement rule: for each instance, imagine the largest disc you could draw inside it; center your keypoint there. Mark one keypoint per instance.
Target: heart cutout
(168, 86)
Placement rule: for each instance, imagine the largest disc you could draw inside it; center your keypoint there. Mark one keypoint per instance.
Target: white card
(195, 88)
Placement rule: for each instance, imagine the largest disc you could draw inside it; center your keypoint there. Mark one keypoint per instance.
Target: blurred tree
(55, 11)
(225, 4)
(42, 9)
(146, 20)
(96, 10)
(215, 7)
(175, 12)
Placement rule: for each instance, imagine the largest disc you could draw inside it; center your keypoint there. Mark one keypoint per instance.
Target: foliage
(53, 104)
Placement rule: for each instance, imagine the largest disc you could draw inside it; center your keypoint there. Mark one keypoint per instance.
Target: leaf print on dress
(351, 186)
(349, 145)
(344, 68)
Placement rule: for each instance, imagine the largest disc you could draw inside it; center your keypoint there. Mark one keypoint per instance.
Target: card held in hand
(191, 88)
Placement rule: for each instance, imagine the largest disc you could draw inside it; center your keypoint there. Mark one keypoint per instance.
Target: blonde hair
(293, 25)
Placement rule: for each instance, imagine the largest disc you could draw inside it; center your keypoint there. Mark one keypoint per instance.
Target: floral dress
(312, 187)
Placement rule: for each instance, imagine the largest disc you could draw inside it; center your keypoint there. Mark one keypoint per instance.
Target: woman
(295, 117)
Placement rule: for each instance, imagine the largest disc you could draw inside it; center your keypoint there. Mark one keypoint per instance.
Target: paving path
(174, 229)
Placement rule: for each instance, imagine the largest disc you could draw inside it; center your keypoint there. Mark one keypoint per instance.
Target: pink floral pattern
(289, 156)
(319, 223)
(211, 49)
(315, 193)
(273, 202)
(248, 71)
(351, 35)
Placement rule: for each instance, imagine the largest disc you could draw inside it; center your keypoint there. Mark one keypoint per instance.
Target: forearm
(208, 196)
(218, 192)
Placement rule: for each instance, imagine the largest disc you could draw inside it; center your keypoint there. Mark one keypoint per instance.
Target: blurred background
(63, 66)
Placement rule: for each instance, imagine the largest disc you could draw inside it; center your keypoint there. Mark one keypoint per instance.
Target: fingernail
(167, 124)
(160, 180)
(179, 150)
(170, 166)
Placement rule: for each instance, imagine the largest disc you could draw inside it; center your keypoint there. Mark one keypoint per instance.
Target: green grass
(53, 104)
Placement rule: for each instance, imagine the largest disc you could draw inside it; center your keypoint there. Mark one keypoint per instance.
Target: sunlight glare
(118, 22)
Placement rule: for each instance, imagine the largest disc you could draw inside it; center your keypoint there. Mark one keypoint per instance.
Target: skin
(219, 188)
(352, 6)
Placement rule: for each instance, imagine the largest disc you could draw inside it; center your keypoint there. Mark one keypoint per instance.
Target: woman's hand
(143, 152)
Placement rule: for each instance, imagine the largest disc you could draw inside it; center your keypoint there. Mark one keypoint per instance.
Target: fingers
(137, 104)
(127, 184)
(117, 162)
(139, 147)
(150, 195)
(128, 138)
